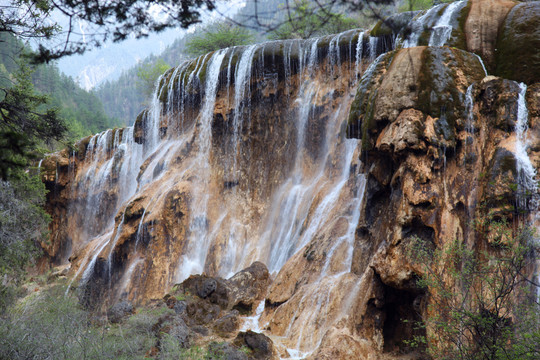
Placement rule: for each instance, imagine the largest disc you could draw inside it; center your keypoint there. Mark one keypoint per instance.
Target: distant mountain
(107, 62)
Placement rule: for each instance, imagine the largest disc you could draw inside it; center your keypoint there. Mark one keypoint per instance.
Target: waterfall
(441, 31)
(469, 124)
(418, 26)
(439, 27)
(194, 260)
(527, 198)
(482, 63)
(241, 84)
(245, 203)
(526, 173)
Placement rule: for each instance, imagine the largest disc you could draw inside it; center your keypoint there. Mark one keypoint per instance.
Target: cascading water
(242, 157)
(527, 197)
(526, 173)
(193, 261)
(442, 29)
(469, 125)
(241, 206)
(439, 27)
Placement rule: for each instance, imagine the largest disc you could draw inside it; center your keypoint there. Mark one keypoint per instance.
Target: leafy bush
(51, 324)
(148, 73)
(306, 21)
(218, 36)
(481, 305)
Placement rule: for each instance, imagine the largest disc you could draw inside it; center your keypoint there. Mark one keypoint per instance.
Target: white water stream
(439, 27)
(441, 31)
(526, 173)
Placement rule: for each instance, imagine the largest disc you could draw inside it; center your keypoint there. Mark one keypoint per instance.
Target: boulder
(517, 55)
(241, 291)
(202, 312)
(249, 286)
(227, 325)
(119, 311)
(260, 345)
(182, 333)
(214, 290)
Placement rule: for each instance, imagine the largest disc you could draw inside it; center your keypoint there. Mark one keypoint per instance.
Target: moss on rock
(518, 45)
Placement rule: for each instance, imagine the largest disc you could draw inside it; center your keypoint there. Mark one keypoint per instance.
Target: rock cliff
(311, 165)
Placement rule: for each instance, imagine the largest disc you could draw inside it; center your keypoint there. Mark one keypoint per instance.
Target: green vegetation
(307, 20)
(54, 95)
(148, 73)
(481, 305)
(218, 36)
(414, 5)
(82, 111)
(24, 123)
(22, 222)
(40, 110)
(51, 325)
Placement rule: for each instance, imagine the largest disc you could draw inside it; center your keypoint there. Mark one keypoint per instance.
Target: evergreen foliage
(39, 108)
(218, 36)
(81, 112)
(148, 73)
(307, 20)
(22, 223)
(24, 121)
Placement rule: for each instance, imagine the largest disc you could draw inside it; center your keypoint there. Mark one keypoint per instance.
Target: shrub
(481, 305)
(218, 36)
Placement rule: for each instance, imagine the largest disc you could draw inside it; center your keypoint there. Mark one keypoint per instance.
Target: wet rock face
(438, 148)
(520, 34)
(482, 27)
(430, 80)
(428, 176)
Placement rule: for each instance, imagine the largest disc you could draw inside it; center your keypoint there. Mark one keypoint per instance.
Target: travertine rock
(482, 27)
(520, 35)
(430, 164)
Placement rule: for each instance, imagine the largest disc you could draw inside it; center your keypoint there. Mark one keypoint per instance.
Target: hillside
(82, 111)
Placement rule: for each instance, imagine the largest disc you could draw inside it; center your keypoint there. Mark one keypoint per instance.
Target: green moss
(82, 145)
(425, 81)
(444, 129)
(362, 111)
(520, 34)
(458, 35)
(380, 29)
(368, 124)
(439, 95)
